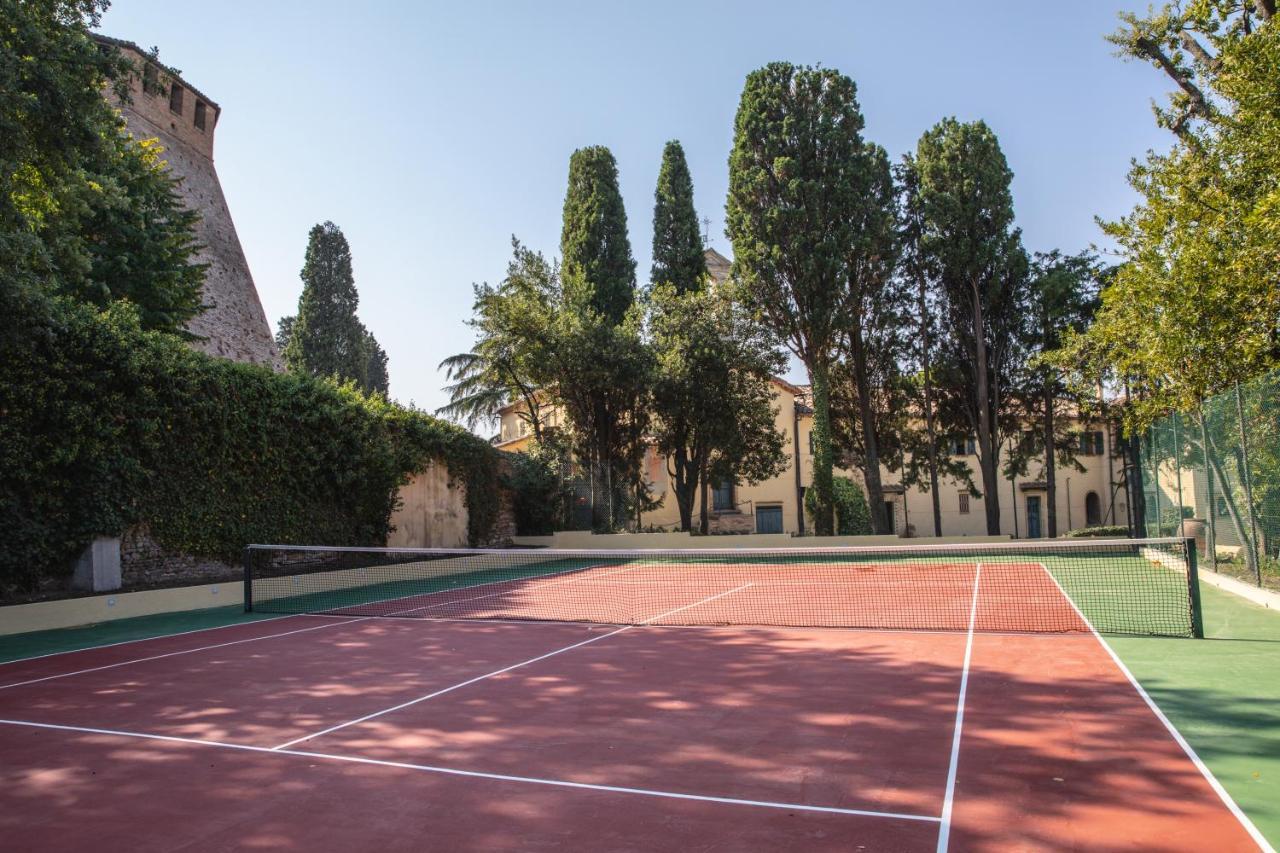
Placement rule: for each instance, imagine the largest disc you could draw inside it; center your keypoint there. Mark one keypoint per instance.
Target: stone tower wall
(233, 325)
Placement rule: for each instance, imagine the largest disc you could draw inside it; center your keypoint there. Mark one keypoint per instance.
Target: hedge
(1108, 532)
(104, 425)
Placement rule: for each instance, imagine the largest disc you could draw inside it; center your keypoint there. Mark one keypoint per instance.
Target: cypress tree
(677, 245)
(326, 337)
(597, 267)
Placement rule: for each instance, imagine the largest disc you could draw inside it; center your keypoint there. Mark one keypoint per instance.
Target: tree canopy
(677, 246)
(86, 210)
(793, 195)
(326, 338)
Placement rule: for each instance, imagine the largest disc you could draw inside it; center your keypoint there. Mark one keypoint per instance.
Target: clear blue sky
(433, 132)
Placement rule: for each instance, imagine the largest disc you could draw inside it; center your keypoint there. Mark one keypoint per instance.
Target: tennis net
(1126, 586)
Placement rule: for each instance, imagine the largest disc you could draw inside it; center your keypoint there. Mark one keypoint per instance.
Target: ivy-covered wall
(104, 426)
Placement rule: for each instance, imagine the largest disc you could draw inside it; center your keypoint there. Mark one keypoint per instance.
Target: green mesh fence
(1214, 474)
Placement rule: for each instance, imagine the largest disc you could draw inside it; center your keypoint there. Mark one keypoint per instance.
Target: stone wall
(145, 563)
(234, 325)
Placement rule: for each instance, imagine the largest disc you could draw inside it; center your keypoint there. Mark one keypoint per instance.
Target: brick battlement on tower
(166, 107)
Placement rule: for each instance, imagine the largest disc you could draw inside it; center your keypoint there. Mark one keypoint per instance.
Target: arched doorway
(1092, 509)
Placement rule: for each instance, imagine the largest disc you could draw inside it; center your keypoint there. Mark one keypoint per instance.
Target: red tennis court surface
(350, 733)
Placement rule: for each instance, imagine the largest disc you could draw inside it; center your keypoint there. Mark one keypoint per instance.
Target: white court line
(470, 681)
(156, 637)
(535, 584)
(180, 652)
(944, 831)
(1231, 805)
(476, 774)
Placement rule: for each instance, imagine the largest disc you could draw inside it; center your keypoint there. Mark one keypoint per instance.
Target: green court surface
(36, 643)
(1222, 693)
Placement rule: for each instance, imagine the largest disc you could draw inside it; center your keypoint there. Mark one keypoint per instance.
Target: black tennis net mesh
(1119, 586)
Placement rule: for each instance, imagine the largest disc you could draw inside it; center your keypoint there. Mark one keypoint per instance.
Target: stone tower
(166, 107)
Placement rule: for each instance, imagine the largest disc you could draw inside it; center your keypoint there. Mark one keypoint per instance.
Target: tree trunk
(684, 482)
(926, 366)
(1233, 511)
(870, 445)
(1133, 480)
(988, 453)
(824, 515)
(705, 520)
(1050, 461)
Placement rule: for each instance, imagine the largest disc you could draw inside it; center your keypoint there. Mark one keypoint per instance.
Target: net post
(248, 579)
(1193, 589)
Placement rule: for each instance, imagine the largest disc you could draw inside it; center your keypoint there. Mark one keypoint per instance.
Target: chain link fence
(1214, 474)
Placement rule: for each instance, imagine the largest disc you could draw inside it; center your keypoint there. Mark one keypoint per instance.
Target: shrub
(853, 518)
(104, 425)
(1103, 532)
(537, 492)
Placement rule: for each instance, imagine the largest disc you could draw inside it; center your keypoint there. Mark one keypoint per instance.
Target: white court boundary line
(146, 639)
(181, 652)
(1231, 804)
(944, 830)
(477, 774)
(477, 678)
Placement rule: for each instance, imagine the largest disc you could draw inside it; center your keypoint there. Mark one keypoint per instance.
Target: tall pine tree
(326, 338)
(597, 268)
(794, 177)
(602, 365)
(677, 245)
(969, 242)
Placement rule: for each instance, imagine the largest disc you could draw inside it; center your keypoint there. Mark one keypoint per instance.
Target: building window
(722, 496)
(964, 503)
(175, 99)
(964, 446)
(1091, 443)
(150, 80)
(200, 111)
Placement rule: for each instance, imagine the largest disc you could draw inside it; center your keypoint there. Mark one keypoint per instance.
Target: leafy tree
(377, 377)
(928, 390)
(326, 338)
(598, 362)
(713, 413)
(711, 391)
(85, 210)
(872, 340)
(597, 268)
(507, 363)
(284, 331)
(966, 217)
(794, 176)
(677, 244)
(1193, 309)
(1062, 296)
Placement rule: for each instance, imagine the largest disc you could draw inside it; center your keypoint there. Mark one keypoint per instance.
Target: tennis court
(920, 698)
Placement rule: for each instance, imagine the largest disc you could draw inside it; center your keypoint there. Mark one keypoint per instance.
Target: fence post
(1247, 479)
(1193, 589)
(248, 579)
(1211, 515)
